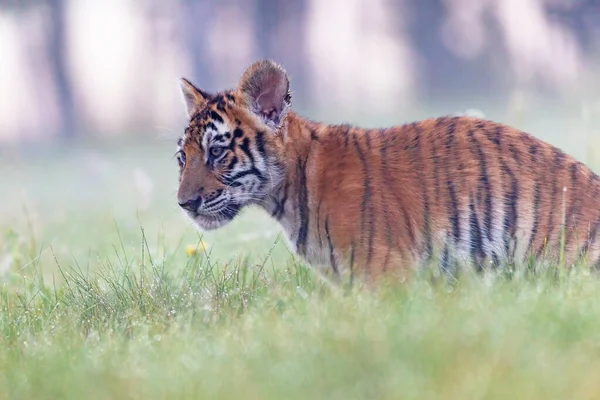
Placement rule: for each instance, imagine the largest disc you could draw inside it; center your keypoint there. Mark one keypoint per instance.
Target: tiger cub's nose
(191, 205)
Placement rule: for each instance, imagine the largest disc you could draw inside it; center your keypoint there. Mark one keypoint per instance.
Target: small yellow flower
(192, 249)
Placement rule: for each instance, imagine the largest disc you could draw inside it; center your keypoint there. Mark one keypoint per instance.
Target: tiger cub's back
(461, 189)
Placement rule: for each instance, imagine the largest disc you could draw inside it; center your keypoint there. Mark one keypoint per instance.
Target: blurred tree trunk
(57, 56)
(445, 76)
(294, 14)
(267, 15)
(280, 28)
(195, 15)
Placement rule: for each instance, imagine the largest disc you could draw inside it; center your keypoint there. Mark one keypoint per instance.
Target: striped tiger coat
(460, 190)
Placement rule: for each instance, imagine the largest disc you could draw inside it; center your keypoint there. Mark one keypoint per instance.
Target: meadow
(107, 291)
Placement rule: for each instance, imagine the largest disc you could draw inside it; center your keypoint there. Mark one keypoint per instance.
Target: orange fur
(384, 201)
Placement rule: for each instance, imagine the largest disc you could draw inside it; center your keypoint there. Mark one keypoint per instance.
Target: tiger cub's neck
(293, 201)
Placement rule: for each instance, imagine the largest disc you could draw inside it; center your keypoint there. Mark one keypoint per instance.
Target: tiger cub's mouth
(215, 218)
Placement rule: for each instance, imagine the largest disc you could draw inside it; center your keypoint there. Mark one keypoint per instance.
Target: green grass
(99, 299)
(139, 329)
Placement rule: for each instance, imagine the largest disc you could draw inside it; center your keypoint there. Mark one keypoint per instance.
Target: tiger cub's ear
(194, 98)
(266, 89)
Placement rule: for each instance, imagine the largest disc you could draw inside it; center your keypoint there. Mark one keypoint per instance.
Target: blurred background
(82, 67)
(90, 106)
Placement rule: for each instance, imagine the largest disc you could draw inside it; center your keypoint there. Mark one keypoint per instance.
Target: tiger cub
(459, 190)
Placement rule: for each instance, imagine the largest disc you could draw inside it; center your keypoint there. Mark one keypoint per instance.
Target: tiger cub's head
(230, 155)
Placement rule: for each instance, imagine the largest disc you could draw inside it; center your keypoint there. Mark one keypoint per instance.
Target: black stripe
(515, 153)
(495, 136)
(214, 202)
(241, 174)
(245, 146)
(232, 184)
(418, 161)
(512, 201)
(510, 212)
(536, 215)
(453, 211)
(220, 103)
(476, 243)
(367, 134)
(260, 143)
(366, 218)
(303, 207)
(345, 129)
(237, 133)
(232, 163)
(331, 249)
(533, 149)
(215, 115)
(484, 185)
(196, 117)
(210, 125)
(451, 129)
(280, 204)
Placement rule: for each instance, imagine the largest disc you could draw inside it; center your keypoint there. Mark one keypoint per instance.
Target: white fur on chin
(207, 223)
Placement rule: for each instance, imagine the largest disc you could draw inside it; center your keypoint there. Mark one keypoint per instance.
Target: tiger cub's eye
(181, 158)
(216, 151)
